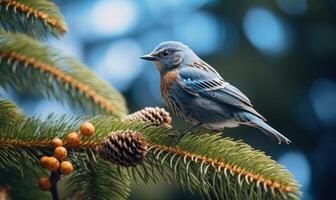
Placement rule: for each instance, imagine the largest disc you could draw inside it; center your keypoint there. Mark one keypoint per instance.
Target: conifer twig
(53, 75)
(170, 150)
(204, 163)
(36, 18)
(33, 11)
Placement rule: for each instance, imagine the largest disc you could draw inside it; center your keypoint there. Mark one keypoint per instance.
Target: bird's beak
(148, 57)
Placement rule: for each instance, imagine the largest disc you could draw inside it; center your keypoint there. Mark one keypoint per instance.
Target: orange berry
(56, 142)
(45, 183)
(44, 161)
(66, 167)
(73, 139)
(60, 153)
(87, 129)
(52, 164)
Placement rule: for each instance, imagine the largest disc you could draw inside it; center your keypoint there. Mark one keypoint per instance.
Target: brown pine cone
(157, 116)
(125, 147)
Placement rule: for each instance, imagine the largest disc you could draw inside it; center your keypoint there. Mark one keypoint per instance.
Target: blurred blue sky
(111, 35)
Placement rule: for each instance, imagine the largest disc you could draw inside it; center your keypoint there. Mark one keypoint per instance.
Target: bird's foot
(217, 131)
(176, 136)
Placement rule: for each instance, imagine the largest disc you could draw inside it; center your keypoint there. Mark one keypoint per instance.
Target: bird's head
(170, 55)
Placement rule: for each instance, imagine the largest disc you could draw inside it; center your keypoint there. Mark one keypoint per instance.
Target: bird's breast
(166, 81)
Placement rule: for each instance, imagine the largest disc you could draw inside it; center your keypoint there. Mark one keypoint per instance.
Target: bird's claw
(216, 131)
(175, 136)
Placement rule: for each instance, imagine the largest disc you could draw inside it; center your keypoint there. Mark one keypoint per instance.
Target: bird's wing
(199, 82)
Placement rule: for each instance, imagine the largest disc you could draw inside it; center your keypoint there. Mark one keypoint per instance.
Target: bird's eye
(165, 53)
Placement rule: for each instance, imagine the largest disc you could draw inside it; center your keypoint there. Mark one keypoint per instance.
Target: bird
(198, 94)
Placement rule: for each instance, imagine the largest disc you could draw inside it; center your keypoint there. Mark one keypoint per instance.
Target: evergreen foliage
(29, 66)
(9, 113)
(100, 180)
(36, 18)
(205, 163)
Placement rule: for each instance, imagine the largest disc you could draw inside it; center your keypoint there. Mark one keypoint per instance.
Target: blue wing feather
(200, 82)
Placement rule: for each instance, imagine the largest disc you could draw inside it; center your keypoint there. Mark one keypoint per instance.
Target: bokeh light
(200, 31)
(162, 8)
(323, 98)
(113, 17)
(293, 7)
(150, 39)
(44, 107)
(146, 91)
(297, 163)
(304, 113)
(265, 31)
(69, 45)
(119, 63)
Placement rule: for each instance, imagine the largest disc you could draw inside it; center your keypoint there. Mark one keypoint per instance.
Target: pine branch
(215, 167)
(28, 140)
(9, 113)
(222, 179)
(31, 67)
(100, 181)
(36, 18)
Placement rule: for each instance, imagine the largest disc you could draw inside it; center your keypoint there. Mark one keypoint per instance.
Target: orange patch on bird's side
(167, 79)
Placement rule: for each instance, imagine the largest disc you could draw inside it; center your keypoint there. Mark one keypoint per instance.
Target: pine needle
(9, 113)
(36, 18)
(29, 66)
(207, 164)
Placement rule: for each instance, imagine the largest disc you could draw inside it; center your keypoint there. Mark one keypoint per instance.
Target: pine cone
(157, 116)
(126, 148)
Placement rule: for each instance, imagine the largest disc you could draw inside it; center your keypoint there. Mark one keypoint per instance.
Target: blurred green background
(280, 53)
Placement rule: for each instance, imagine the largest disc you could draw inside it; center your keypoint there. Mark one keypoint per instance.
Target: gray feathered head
(171, 54)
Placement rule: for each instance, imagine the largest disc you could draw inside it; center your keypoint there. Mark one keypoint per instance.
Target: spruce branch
(31, 67)
(36, 18)
(100, 180)
(28, 140)
(215, 167)
(9, 113)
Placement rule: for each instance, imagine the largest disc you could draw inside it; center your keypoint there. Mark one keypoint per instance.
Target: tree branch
(36, 18)
(54, 75)
(203, 163)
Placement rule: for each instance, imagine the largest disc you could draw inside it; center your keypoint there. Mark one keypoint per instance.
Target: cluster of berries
(57, 162)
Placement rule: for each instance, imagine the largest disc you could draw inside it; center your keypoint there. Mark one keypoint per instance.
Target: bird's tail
(256, 122)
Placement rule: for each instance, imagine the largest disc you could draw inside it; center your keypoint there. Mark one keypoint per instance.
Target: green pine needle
(29, 66)
(9, 113)
(36, 18)
(100, 181)
(208, 164)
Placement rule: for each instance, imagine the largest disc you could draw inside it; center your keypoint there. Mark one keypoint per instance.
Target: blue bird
(198, 94)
